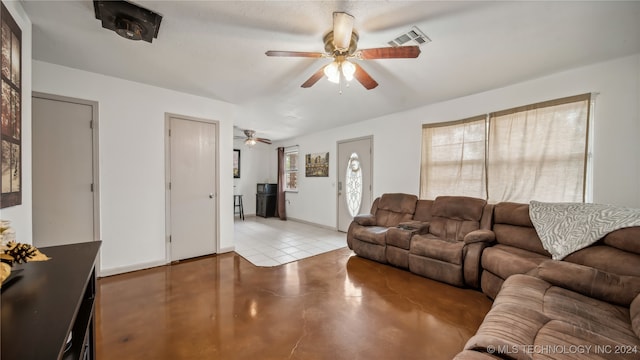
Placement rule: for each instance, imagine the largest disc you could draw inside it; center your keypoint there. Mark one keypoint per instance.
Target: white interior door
(63, 171)
(193, 186)
(354, 179)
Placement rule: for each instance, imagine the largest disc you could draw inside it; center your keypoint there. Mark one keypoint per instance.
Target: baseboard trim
(334, 228)
(130, 268)
(227, 250)
(149, 265)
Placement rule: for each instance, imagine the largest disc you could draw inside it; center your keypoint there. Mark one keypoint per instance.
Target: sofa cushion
(627, 239)
(371, 234)
(512, 213)
(455, 216)
(607, 258)
(458, 207)
(561, 340)
(520, 237)
(423, 210)
(601, 317)
(508, 326)
(398, 202)
(434, 248)
(525, 291)
(504, 261)
(395, 208)
(612, 288)
(528, 292)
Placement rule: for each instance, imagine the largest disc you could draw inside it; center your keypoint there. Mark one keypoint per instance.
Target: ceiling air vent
(414, 36)
(128, 20)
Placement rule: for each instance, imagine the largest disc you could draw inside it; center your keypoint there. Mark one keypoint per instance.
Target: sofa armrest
(602, 285)
(475, 236)
(421, 227)
(365, 220)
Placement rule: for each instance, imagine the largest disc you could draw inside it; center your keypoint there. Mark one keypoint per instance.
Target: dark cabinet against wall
(48, 311)
(266, 200)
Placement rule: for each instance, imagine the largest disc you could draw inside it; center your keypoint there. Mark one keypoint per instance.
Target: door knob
(210, 196)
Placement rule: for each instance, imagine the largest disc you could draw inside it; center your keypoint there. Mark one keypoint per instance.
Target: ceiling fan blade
(314, 78)
(400, 52)
(364, 78)
(294, 54)
(342, 29)
(263, 140)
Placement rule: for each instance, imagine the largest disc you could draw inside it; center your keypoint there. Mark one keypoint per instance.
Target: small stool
(237, 204)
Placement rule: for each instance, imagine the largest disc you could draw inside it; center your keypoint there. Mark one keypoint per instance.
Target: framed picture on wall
(236, 163)
(11, 110)
(316, 165)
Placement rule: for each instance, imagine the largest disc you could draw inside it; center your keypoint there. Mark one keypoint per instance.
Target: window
(453, 159)
(539, 152)
(291, 169)
(532, 152)
(353, 181)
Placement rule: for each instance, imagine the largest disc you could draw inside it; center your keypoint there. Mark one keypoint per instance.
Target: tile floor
(273, 242)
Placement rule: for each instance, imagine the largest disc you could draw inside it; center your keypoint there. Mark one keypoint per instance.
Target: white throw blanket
(565, 228)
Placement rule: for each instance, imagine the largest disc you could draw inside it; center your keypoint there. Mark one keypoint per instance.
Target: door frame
(95, 133)
(167, 178)
(368, 137)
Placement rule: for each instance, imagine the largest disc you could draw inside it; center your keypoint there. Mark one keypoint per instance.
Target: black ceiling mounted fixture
(128, 20)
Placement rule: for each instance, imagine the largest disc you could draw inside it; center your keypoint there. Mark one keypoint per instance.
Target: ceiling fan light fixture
(342, 29)
(348, 70)
(250, 142)
(332, 71)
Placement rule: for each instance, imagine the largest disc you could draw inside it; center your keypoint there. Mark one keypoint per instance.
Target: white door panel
(63, 202)
(193, 184)
(354, 180)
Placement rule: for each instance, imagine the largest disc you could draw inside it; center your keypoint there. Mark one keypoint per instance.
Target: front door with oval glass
(354, 180)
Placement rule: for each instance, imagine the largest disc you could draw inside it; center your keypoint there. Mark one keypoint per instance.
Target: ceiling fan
(250, 138)
(341, 44)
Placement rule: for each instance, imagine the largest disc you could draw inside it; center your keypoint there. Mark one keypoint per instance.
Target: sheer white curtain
(538, 152)
(453, 159)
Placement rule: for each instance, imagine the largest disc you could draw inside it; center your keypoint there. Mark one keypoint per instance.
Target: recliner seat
(460, 228)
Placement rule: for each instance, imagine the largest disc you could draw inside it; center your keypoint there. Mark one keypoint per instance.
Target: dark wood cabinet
(266, 200)
(48, 309)
(265, 205)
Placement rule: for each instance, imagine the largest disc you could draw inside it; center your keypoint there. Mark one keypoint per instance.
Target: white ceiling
(216, 49)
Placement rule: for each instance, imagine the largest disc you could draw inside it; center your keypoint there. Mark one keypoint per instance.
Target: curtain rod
(288, 147)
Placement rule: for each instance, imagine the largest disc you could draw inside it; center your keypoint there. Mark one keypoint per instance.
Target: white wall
(396, 137)
(132, 159)
(255, 167)
(20, 215)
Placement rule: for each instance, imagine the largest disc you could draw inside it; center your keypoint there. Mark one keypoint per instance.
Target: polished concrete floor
(331, 306)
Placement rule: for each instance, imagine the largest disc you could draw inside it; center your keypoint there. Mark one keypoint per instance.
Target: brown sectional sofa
(518, 249)
(566, 311)
(441, 239)
(586, 306)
